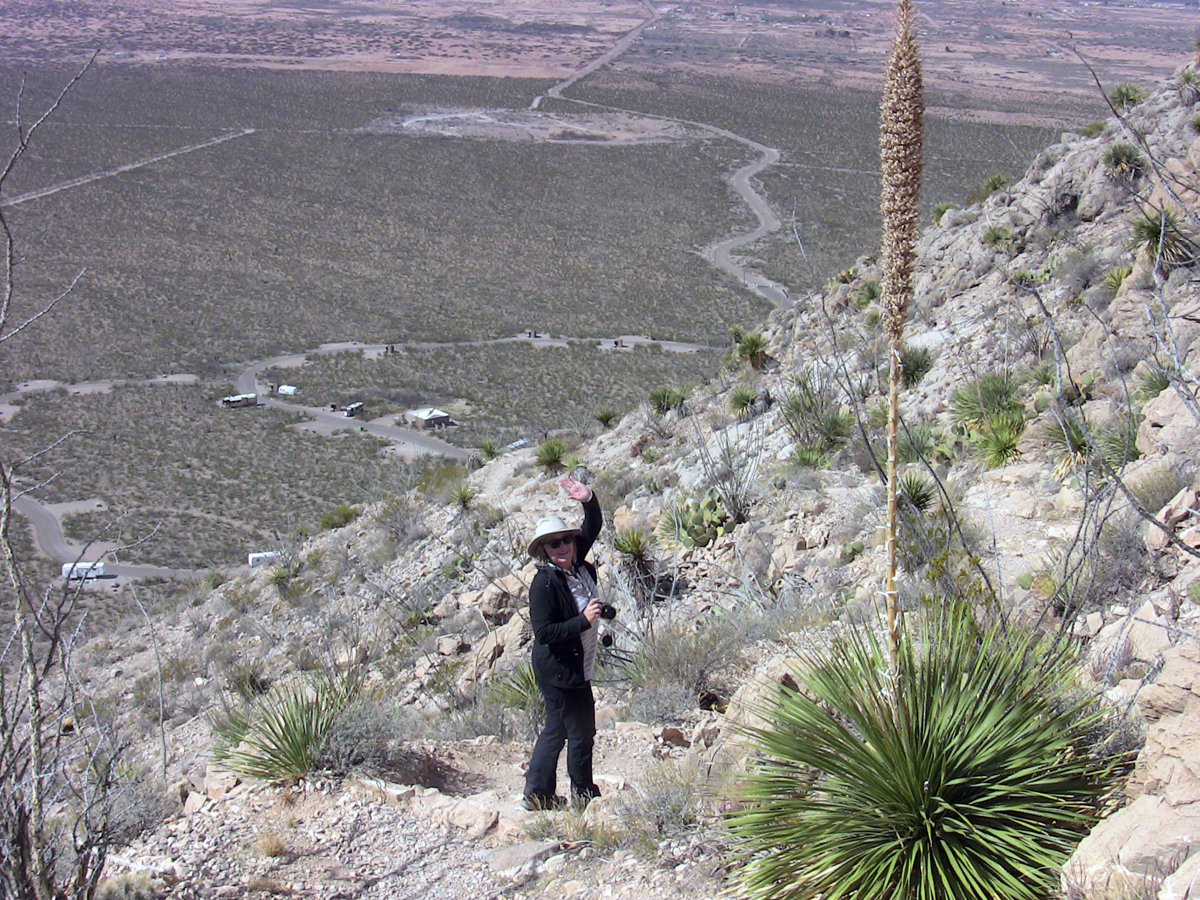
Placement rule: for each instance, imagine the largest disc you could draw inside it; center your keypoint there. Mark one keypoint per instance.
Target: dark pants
(570, 719)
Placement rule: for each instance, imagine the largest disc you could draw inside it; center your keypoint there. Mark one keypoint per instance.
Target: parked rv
(79, 571)
(261, 558)
(235, 400)
(353, 409)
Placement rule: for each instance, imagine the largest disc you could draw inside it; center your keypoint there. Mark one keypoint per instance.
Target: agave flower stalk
(900, 137)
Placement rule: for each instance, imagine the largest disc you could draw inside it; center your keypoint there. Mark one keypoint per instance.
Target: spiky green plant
(278, 738)
(339, 517)
(1153, 382)
(463, 495)
(869, 290)
(1115, 276)
(605, 415)
(1194, 122)
(960, 769)
(917, 491)
(1125, 95)
(1092, 129)
(994, 182)
(996, 235)
(635, 543)
(1188, 86)
(1124, 161)
(752, 349)
(490, 449)
(551, 454)
(992, 394)
(998, 436)
(939, 210)
(1157, 237)
(919, 441)
(666, 398)
(915, 363)
(1067, 435)
(741, 399)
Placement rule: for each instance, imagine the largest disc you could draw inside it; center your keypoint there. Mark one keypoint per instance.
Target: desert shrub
(635, 547)
(1152, 382)
(920, 441)
(917, 490)
(463, 495)
(516, 691)
(605, 415)
(278, 737)
(1126, 94)
(994, 182)
(1081, 445)
(939, 210)
(869, 290)
(915, 363)
(694, 521)
(989, 395)
(1194, 122)
(752, 349)
(680, 664)
(1115, 277)
(997, 437)
(338, 517)
(996, 235)
(663, 802)
(666, 398)
(1158, 237)
(1187, 83)
(551, 454)
(813, 412)
(247, 678)
(1124, 161)
(490, 449)
(965, 773)
(741, 398)
(1092, 129)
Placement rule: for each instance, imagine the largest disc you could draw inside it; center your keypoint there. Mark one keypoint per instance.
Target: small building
(427, 418)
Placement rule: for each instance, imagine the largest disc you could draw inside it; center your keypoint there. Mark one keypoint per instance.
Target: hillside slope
(1038, 295)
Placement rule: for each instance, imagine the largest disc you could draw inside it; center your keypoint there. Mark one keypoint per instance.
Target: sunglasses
(555, 543)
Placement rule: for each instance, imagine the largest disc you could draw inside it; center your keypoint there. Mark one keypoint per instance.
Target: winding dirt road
(46, 523)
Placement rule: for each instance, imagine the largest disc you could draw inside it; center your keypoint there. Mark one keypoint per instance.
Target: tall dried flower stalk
(900, 120)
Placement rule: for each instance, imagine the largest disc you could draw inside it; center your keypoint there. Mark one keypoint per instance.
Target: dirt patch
(531, 125)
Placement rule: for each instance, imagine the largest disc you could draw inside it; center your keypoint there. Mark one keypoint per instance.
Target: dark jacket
(556, 619)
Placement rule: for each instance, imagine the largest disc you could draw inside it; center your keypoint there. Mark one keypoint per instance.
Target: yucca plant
(551, 454)
(989, 395)
(741, 399)
(463, 495)
(1157, 237)
(636, 549)
(278, 738)
(752, 349)
(1153, 382)
(606, 415)
(915, 363)
(1067, 435)
(869, 290)
(939, 210)
(517, 690)
(996, 235)
(1126, 94)
(962, 769)
(1188, 86)
(919, 441)
(998, 436)
(994, 182)
(667, 398)
(918, 491)
(490, 449)
(1194, 122)
(1124, 161)
(1115, 276)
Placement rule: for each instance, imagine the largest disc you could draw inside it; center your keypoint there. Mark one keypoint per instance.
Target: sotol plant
(961, 769)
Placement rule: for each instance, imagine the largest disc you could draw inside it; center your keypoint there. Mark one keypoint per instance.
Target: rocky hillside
(1051, 392)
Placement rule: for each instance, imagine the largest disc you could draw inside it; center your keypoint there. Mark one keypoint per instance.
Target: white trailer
(261, 558)
(79, 571)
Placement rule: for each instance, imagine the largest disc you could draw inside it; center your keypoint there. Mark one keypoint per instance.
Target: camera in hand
(608, 611)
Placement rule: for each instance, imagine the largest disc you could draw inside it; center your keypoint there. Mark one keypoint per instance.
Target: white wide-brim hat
(548, 527)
